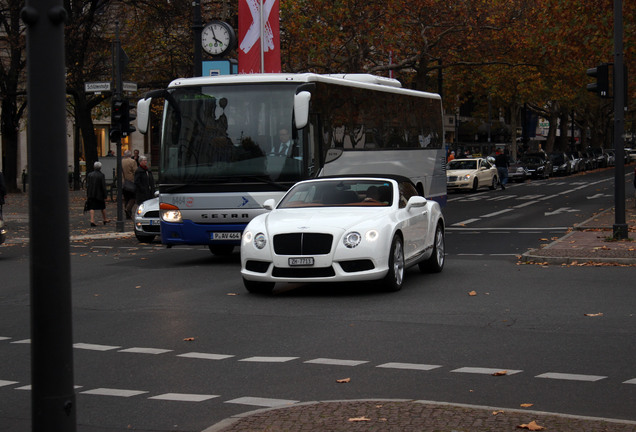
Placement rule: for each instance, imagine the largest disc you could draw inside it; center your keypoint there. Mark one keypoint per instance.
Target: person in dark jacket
(96, 193)
(502, 163)
(144, 181)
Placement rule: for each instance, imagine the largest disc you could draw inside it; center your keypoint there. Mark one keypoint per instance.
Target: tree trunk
(10, 126)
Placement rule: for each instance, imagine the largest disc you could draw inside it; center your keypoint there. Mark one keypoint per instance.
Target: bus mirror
(301, 109)
(143, 114)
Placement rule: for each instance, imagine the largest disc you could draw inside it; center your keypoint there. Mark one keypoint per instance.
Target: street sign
(129, 86)
(96, 87)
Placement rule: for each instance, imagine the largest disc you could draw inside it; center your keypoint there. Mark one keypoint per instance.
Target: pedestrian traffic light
(117, 112)
(601, 86)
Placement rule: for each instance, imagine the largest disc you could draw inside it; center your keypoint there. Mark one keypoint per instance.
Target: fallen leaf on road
(500, 373)
(497, 412)
(472, 293)
(188, 339)
(594, 314)
(343, 381)
(232, 294)
(358, 419)
(533, 426)
(526, 405)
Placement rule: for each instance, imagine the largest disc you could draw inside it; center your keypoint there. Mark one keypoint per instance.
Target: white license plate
(226, 236)
(305, 261)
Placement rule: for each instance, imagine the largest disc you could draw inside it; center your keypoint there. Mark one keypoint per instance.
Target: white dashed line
(571, 377)
(94, 347)
(113, 392)
(411, 366)
(205, 356)
(138, 350)
(486, 371)
(23, 341)
(184, 397)
(7, 383)
(263, 402)
(336, 362)
(4, 338)
(500, 212)
(268, 359)
(631, 381)
(466, 222)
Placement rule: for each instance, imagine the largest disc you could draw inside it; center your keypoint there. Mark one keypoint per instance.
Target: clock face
(217, 38)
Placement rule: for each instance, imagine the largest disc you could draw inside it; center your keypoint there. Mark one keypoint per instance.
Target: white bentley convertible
(335, 229)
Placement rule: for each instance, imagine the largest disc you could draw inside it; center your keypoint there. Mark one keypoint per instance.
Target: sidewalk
(591, 242)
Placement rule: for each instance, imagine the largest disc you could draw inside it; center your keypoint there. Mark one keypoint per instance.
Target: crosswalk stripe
(268, 359)
(412, 366)
(113, 392)
(571, 377)
(205, 356)
(263, 402)
(336, 362)
(184, 397)
(486, 371)
(94, 347)
(138, 350)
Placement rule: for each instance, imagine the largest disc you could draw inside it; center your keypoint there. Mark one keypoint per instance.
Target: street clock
(218, 38)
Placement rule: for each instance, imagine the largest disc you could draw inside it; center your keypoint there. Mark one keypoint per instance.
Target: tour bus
(221, 156)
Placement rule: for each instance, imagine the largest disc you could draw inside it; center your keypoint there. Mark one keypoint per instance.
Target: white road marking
(525, 204)
(466, 222)
(411, 366)
(268, 359)
(205, 356)
(7, 383)
(264, 402)
(497, 213)
(4, 338)
(485, 371)
(561, 210)
(94, 347)
(23, 341)
(114, 392)
(184, 397)
(138, 350)
(631, 381)
(570, 377)
(336, 362)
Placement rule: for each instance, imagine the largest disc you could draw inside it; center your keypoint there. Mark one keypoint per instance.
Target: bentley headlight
(247, 237)
(352, 239)
(260, 241)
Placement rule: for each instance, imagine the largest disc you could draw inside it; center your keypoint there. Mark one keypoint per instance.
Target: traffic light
(601, 86)
(116, 116)
(128, 117)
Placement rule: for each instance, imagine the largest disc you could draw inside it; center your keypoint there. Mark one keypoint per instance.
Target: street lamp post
(620, 229)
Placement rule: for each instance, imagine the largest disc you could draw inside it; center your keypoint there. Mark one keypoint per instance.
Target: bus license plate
(226, 236)
(305, 261)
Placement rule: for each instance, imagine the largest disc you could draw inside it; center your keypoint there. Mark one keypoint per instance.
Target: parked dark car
(589, 160)
(517, 171)
(560, 164)
(538, 164)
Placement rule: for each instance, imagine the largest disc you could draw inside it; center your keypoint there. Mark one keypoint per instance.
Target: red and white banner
(259, 41)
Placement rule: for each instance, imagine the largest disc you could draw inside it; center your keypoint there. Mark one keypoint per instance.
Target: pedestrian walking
(3, 193)
(96, 193)
(502, 163)
(128, 168)
(144, 181)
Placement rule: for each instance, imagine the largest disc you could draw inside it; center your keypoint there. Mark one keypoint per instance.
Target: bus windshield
(226, 133)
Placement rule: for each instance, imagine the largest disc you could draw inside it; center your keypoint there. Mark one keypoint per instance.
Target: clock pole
(197, 27)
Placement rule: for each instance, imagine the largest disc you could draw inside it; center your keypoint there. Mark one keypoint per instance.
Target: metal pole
(52, 392)
(620, 229)
(118, 95)
(197, 29)
(262, 40)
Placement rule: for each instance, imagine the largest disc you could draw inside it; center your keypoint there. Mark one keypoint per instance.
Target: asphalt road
(168, 339)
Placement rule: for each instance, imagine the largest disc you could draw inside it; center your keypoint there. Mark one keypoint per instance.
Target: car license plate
(305, 261)
(226, 236)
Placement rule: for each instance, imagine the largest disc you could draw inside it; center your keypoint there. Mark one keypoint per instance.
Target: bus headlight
(170, 213)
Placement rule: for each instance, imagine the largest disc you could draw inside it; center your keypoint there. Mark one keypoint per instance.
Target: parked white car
(471, 174)
(336, 229)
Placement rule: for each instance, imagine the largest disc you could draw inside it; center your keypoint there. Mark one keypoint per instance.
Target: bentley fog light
(371, 235)
(260, 241)
(352, 239)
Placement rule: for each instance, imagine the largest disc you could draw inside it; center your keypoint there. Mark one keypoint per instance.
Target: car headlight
(140, 209)
(519, 170)
(260, 240)
(352, 239)
(170, 213)
(464, 177)
(371, 235)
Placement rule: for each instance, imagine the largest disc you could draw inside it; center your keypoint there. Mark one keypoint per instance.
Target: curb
(233, 420)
